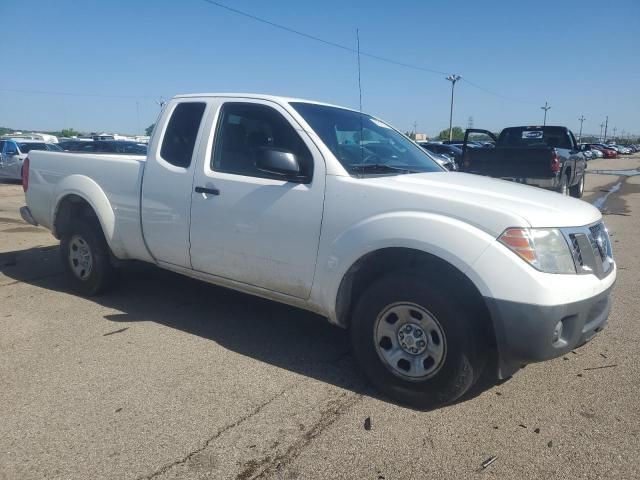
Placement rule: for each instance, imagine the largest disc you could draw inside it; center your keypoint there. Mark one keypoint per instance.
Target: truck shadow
(283, 336)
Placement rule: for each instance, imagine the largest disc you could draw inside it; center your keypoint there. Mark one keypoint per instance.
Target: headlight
(543, 248)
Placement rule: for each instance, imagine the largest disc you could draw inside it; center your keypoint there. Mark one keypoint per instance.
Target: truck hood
(490, 204)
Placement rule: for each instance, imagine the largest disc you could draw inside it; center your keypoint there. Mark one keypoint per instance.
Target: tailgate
(509, 162)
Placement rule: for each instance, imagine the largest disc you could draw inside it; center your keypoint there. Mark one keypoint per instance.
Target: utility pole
(582, 119)
(453, 79)
(614, 133)
(470, 122)
(601, 127)
(606, 125)
(545, 108)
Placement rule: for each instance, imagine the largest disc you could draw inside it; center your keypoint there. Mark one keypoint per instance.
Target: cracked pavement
(169, 378)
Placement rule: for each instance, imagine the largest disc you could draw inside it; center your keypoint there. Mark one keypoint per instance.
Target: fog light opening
(557, 332)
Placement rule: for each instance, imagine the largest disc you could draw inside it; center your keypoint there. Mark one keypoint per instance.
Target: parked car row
(607, 150)
(104, 146)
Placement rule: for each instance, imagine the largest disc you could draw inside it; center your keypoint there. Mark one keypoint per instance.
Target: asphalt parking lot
(170, 378)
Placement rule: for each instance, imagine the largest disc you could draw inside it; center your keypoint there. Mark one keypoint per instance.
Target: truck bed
(115, 180)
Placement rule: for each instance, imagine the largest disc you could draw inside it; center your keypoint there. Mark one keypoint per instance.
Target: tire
(430, 381)
(578, 189)
(86, 258)
(563, 189)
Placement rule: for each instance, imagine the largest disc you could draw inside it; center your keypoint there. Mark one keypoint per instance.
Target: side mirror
(278, 162)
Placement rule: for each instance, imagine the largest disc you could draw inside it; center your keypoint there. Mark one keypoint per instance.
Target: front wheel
(578, 189)
(86, 258)
(415, 342)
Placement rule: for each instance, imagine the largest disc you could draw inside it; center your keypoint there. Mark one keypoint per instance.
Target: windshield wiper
(378, 167)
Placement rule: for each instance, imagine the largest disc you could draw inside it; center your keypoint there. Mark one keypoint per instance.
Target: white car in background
(596, 153)
(13, 151)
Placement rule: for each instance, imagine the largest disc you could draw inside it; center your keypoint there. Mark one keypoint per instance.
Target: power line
(350, 49)
(72, 94)
(491, 92)
(289, 30)
(322, 40)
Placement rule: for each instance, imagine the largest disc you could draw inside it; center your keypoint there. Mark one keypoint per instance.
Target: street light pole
(545, 108)
(606, 125)
(601, 127)
(582, 119)
(453, 79)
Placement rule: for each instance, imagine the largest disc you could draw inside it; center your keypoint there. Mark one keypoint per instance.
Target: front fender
(451, 240)
(87, 189)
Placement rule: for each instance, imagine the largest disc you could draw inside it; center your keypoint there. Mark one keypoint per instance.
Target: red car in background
(606, 152)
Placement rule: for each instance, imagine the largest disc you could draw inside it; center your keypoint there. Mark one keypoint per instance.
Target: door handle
(210, 191)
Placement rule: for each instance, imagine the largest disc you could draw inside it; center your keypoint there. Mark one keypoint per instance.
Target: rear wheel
(86, 258)
(578, 189)
(415, 342)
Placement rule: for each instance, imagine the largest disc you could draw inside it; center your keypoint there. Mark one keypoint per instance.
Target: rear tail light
(25, 174)
(555, 161)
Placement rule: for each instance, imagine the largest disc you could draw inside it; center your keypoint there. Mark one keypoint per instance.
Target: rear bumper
(526, 333)
(25, 213)
(552, 183)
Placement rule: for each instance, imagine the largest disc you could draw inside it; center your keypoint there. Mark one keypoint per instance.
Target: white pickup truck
(438, 275)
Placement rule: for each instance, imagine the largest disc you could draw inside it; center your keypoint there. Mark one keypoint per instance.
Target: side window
(244, 129)
(180, 137)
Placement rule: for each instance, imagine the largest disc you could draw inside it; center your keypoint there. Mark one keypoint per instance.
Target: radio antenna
(360, 97)
(359, 79)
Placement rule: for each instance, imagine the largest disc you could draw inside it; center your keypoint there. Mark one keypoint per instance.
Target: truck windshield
(364, 144)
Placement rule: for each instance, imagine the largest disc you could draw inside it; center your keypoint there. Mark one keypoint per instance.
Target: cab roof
(260, 96)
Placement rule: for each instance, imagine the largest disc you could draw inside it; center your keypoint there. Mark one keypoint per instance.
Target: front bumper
(525, 332)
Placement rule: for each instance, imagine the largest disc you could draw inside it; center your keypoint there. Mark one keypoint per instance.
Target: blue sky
(580, 55)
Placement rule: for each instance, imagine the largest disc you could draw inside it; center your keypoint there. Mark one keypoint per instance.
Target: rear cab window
(555, 137)
(180, 136)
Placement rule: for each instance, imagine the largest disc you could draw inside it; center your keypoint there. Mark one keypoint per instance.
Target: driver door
(248, 225)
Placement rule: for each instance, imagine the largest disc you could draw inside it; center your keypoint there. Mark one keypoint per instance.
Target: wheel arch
(79, 196)
(568, 172)
(376, 263)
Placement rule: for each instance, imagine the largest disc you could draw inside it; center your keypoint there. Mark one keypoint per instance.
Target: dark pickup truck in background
(547, 157)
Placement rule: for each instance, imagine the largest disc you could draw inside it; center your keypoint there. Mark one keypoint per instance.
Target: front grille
(575, 250)
(591, 249)
(598, 232)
